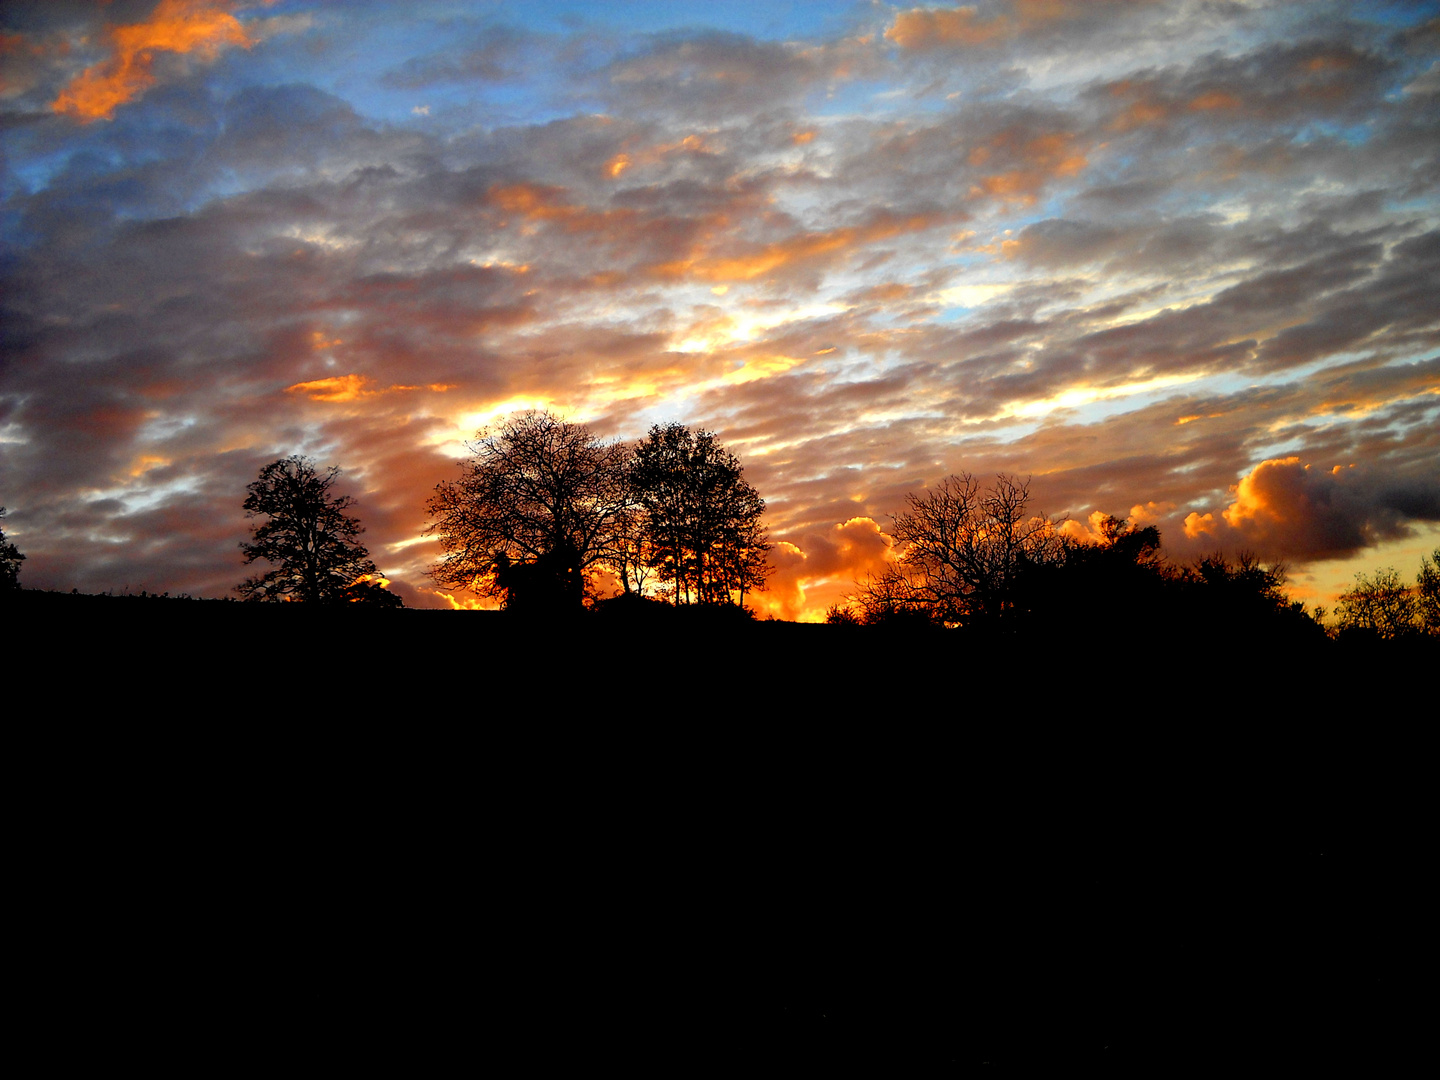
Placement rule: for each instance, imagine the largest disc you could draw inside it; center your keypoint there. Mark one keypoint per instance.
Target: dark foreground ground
(418, 838)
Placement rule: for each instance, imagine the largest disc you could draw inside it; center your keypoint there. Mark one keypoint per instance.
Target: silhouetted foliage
(10, 560)
(309, 537)
(1239, 601)
(1427, 585)
(373, 594)
(1380, 604)
(1121, 571)
(538, 493)
(631, 553)
(892, 599)
(702, 520)
(964, 549)
(974, 558)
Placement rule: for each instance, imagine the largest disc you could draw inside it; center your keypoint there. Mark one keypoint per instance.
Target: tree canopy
(538, 493)
(963, 545)
(541, 504)
(1381, 604)
(702, 518)
(309, 538)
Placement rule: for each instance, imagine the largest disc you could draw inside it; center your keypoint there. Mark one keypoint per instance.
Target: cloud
(816, 569)
(1286, 508)
(1124, 249)
(492, 54)
(343, 388)
(202, 27)
(930, 29)
(934, 28)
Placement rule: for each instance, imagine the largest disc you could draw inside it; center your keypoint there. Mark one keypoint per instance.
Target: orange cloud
(351, 388)
(1084, 532)
(808, 579)
(1214, 99)
(178, 26)
(537, 203)
(335, 388)
(1272, 494)
(1033, 161)
(931, 28)
(1285, 508)
(1142, 110)
(1149, 513)
(804, 247)
(1197, 525)
(921, 29)
(650, 155)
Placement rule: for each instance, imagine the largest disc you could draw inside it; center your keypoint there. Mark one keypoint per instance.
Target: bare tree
(890, 598)
(963, 545)
(630, 555)
(537, 492)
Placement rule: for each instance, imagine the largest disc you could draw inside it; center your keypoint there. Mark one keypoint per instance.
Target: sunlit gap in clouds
(735, 325)
(1076, 398)
(141, 494)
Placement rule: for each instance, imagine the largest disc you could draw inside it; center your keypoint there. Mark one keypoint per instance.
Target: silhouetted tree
(891, 599)
(749, 564)
(962, 546)
(537, 492)
(1243, 602)
(1427, 586)
(1121, 571)
(631, 553)
(309, 538)
(1381, 604)
(702, 519)
(10, 560)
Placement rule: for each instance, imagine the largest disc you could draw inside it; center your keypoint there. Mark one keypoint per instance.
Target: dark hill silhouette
(805, 844)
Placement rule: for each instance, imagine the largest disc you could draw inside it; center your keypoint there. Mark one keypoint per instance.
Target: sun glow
(1088, 395)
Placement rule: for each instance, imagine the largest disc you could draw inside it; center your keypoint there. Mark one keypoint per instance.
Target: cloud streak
(200, 27)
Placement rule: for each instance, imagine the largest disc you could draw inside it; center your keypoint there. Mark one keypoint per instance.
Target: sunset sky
(1175, 260)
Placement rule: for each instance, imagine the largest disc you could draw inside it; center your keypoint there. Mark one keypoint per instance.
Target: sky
(1175, 261)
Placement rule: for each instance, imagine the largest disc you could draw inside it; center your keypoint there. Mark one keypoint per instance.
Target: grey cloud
(709, 74)
(491, 54)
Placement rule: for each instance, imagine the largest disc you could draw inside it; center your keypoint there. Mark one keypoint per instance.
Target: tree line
(973, 556)
(541, 506)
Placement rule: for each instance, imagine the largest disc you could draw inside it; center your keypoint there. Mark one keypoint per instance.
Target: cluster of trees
(974, 556)
(1382, 605)
(965, 551)
(542, 505)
